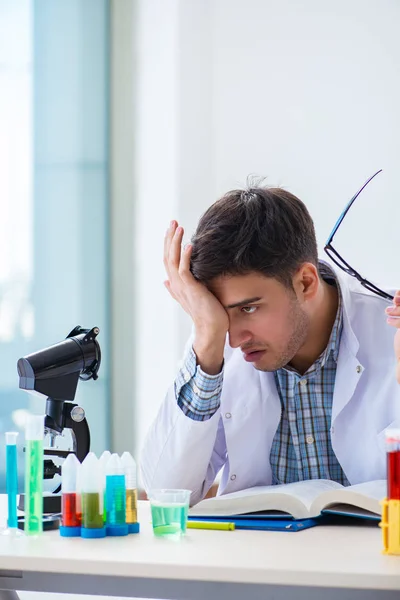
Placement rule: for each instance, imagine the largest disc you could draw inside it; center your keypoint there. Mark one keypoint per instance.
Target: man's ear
(306, 281)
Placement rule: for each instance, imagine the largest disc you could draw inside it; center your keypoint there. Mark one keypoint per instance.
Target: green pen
(221, 525)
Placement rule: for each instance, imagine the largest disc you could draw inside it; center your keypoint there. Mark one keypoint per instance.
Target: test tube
(70, 513)
(34, 432)
(104, 458)
(116, 497)
(92, 498)
(131, 492)
(12, 478)
(393, 463)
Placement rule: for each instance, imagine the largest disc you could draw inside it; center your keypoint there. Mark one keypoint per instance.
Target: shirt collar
(329, 275)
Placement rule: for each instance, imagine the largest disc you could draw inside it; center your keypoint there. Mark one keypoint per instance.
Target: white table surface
(330, 557)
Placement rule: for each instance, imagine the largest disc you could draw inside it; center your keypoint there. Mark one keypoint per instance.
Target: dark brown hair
(259, 229)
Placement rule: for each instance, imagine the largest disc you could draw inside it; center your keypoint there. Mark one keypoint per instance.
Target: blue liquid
(12, 484)
(169, 519)
(115, 499)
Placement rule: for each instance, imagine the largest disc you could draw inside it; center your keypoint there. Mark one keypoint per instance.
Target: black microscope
(54, 374)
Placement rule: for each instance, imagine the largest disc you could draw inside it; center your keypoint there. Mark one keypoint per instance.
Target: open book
(301, 500)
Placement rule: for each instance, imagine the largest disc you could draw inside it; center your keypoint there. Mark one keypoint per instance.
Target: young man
(289, 375)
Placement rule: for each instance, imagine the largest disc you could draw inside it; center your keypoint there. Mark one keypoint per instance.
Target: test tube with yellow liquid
(130, 471)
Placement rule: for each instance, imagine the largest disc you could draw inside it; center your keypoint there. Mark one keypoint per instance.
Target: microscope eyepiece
(86, 340)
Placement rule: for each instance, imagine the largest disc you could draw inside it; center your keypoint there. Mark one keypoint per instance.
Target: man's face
(266, 319)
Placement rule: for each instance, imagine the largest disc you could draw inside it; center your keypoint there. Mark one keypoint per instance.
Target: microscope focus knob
(77, 414)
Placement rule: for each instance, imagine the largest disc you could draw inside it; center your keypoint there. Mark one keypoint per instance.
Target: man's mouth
(253, 355)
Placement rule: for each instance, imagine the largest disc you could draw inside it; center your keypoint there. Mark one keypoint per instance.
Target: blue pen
(12, 478)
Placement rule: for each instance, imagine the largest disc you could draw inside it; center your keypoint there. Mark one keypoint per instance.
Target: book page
(293, 498)
(372, 489)
(349, 510)
(366, 496)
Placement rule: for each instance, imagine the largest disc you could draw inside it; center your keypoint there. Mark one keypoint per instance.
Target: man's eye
(249, 310)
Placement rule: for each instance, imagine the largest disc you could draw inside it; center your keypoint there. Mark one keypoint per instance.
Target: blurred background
(117, 116)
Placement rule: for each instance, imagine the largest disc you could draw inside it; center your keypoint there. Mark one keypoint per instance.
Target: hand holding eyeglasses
(393, 312)
(393, 318)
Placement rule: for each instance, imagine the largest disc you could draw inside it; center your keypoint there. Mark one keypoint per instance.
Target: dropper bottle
(131, 492)
(116, 497)
(70, 513)
(34, 433)
(92, 496)
(104, 458)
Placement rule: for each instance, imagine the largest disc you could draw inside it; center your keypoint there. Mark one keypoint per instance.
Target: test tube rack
(390, 525)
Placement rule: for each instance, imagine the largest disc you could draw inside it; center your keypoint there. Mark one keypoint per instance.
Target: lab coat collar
(346, 284)
(349, 369)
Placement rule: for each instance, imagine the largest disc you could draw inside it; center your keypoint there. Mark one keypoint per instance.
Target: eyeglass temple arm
(349, 205)
(351, 271)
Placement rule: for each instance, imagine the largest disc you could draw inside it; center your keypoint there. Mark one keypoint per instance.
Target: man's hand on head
(210, 319)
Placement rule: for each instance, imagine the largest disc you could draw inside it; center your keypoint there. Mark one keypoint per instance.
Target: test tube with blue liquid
(116, 497)
(11, 483)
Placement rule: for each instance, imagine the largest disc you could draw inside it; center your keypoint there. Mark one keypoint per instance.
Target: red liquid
(70, 517)
(393, 475)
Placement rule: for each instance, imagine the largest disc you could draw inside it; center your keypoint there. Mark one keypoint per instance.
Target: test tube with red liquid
(70, 501)
(393, 463)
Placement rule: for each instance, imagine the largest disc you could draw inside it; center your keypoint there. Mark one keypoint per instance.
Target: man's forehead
(231, 289)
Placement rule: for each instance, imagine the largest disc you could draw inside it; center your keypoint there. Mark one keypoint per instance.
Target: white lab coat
(182, 453)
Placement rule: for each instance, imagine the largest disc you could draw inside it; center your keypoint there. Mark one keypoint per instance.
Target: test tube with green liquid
(92, 497)
(104, 458)
(34, 432)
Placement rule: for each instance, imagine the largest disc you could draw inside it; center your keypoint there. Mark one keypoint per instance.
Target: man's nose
(239, 337)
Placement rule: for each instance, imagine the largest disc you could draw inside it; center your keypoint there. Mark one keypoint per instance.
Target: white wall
(173, 170)
(306, 94)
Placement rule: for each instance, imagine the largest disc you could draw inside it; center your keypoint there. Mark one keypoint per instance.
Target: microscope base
(51, 503)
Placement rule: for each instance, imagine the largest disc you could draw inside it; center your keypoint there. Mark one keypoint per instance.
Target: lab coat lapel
(349, 369)
(348, 374)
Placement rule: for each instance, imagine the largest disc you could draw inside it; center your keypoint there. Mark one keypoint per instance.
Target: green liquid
(169, 519)
(92, 512)
(34, 487)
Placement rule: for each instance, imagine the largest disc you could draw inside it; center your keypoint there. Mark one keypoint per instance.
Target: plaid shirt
(302, 447)
(198, 394)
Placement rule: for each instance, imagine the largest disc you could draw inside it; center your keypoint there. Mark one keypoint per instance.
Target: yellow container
(390, 525)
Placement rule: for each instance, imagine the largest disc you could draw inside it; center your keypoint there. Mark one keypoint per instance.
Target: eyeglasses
(339, 261)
